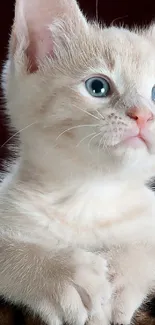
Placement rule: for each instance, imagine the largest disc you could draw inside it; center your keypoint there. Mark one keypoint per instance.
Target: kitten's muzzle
(142, 117)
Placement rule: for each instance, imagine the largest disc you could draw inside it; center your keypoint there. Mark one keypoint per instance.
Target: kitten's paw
(102, 318)
(91, 276)
(89, 290)
(126, 302)
(121, 314)
(121, 318)
(77, 292)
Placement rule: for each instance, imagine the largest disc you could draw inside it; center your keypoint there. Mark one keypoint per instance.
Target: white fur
(75, 190)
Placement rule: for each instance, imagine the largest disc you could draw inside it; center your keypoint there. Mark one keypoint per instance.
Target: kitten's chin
(131, 149)
(143, 140)
(135, 156)
(135, 143)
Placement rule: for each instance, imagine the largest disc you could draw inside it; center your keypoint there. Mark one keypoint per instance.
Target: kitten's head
(88, 89)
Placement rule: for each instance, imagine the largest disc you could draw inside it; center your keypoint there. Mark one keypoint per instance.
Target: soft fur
(77, 196)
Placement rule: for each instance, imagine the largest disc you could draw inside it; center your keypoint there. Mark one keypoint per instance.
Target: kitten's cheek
(149, 137)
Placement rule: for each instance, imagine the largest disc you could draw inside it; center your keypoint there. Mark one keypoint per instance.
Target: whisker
(18, 132)
(88, 113)
(98, 156)
(99, 146)
(75, 127)
(85, 138)
(102, 117)
(89, 143)
(97, 10)
(105, 145)
(118, 18)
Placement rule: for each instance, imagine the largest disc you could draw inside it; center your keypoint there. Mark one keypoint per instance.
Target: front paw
(125, 304)
(89, 291)
(91, 278)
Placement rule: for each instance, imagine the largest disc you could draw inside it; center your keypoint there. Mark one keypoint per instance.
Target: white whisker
(76, 127)
(88, 113)
(97, 9)
(105, 145)
(102, 117)
(85, 139)
(99, 146)
(98, 156)
(18, 132)
(95, 136)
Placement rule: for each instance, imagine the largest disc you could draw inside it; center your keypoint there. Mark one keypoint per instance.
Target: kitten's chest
(87, 216)
(93, 216)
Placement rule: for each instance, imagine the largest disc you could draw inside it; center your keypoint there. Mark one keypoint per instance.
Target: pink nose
(140, 116)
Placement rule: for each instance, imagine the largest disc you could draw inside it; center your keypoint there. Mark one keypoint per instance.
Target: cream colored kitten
(83, 100)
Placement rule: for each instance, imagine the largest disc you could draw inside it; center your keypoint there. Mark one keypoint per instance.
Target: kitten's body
(127, 237)
(71, 192)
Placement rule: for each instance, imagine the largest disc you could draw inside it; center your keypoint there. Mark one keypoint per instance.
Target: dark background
(130, 12)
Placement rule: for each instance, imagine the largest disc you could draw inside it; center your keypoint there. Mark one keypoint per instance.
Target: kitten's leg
(133, 273)
(103, 317)
(125, 304)
(61, 286)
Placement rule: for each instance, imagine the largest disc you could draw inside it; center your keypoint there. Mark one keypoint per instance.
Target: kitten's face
(110, 90)
(95, 92)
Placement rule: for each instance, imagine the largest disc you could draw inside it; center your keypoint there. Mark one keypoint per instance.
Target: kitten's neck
(58, 166)
(52, 163)
(92, 199)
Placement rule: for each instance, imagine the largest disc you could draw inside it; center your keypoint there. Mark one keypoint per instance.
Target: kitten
(83, 100)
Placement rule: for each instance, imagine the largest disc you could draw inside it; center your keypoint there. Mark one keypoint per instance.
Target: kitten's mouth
(137, 141)
(137, 138)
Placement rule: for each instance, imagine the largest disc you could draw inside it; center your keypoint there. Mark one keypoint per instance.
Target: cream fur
(75, 190)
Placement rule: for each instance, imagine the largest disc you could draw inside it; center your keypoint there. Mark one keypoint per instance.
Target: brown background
(125, 11)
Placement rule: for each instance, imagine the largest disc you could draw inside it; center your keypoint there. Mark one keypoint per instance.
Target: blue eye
(153, 93)
(97, 87)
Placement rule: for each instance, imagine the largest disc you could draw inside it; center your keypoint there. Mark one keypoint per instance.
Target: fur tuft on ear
(32, 29)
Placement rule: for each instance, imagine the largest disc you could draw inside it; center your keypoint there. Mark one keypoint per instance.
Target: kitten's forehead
(111, 50)
(129, 48)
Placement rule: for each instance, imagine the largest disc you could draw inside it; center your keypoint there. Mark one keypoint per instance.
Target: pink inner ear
(32, 18)
(39, 48)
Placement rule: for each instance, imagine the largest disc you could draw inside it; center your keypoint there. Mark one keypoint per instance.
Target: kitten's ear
(32, 29)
